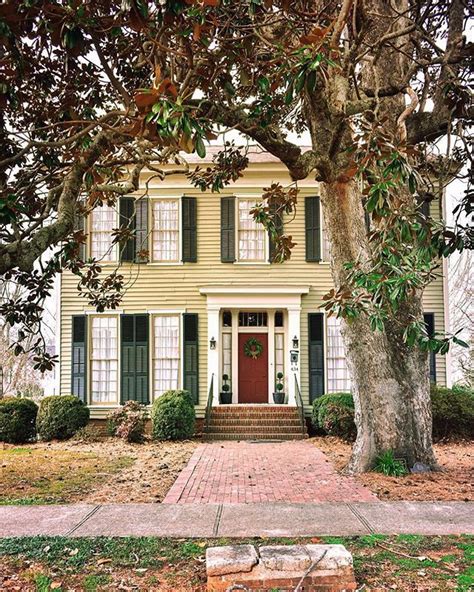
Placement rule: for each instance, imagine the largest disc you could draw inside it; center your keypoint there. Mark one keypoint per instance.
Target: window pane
(165, 230)
(253, 319)
(227, 318)
(252, 236)
(103, 221)
(279, 354)
(278, 318)
(104, 364)
(338, 372)
(166, 354)
(227, 354)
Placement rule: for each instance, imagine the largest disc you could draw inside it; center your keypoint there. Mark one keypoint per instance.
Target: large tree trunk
(390, 380)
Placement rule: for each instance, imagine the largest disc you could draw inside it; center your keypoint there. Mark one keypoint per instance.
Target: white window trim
(325, 353)
(267, 238)
(151, 261)
(115, 248)
(111, 404)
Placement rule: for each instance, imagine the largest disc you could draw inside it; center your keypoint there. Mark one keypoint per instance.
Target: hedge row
(453, 413)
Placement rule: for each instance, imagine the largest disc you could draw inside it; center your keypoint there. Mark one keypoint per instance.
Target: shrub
(173, 416)
(128, 422)
(89, 433)
(453, 412)
(17, 420)
(334, 414)
(60, 417)
(387, 464)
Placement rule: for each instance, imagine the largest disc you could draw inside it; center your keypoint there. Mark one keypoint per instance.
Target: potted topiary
(226, 395)
(279, 395)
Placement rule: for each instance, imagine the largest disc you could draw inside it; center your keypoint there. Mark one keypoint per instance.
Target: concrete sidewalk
(239, 520)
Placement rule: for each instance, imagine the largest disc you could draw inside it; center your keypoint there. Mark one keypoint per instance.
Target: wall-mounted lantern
(212, 343)
(296, 342)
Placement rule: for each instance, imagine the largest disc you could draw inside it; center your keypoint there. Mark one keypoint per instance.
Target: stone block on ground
(316, 568)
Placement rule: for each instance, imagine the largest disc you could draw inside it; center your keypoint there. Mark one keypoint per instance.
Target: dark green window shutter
(228, 229)
(191, 355)
(430, 329)
(127, 220)
(80, 224)
(79, 357)
(279, 228)
(316, 354)
(134, 358)
(141, 229)
(189, 230)
(312, 215)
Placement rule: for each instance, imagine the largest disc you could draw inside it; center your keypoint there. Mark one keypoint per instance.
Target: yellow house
(208, 302)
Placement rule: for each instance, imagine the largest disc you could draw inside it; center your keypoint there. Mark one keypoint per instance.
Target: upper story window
(165, 235)
(252, 237)
(103, 220)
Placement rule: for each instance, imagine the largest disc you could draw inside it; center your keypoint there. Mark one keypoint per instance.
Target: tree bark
(390, 381)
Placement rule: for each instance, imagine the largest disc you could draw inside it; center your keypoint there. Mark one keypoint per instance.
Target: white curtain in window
(252, 235)
(338, 372)
(227, 354)
(103, 221)
(166, 354)
(104, 360)
(326, 254)
(165, 230)
(279, 354)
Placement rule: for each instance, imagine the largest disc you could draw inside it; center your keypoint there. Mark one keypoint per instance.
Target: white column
(271, 355)
(213, 354)
(294, 313)
(235, 356)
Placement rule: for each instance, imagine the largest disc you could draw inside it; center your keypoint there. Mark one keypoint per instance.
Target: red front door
(253, 370)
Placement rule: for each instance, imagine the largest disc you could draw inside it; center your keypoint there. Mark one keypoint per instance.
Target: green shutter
(189, 230)
(191, 355)
(312, 228)
(80, 224)
(279, 228)
(79, 357)
(316, 355)
(127, 220)
(430, 329)
(134, 358)
(227, 229)
(141, 229)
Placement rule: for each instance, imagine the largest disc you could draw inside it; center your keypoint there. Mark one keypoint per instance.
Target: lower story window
(227, 354)
(279, 354)
(165, 354)
(104, 360)
(337, 370)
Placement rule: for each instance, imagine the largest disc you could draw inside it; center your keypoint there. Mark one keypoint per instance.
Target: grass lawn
(41, 564)
(38, 475)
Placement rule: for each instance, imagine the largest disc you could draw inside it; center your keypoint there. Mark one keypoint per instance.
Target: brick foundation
(326, 568)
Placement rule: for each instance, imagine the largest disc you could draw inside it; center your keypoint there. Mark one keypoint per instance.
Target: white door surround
(261, 298)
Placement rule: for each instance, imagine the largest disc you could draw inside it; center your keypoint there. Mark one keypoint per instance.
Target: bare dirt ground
(109, 471)
(454, 483)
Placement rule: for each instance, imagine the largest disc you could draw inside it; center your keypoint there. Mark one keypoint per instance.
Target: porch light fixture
(296, 342)
(212, 343)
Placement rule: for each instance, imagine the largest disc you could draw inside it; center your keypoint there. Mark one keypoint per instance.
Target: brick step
(250, 421)
(241, 429)
(256, 436)
(268, 408)
(256, 413)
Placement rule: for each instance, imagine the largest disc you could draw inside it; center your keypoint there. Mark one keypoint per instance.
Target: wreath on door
(253, 348)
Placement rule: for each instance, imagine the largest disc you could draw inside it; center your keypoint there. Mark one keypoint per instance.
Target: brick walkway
(246, 472)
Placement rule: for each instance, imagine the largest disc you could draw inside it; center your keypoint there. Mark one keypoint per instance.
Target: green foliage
(173, 416)
(17, 420)
(128, 422)
(453, 412)
(60, 417)
(334, 414)
(387, 464)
